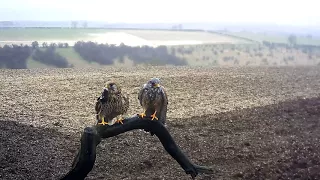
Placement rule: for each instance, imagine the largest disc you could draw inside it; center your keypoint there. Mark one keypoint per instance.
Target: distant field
(245, 55)
(32, 34)
(32, 64)
(198, 48)
(212, 55)
(174, 37)
(129, 37)
(273, 37)
(139, 37)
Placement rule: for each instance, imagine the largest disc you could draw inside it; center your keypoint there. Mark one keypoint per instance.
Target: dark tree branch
(84, 161)
(91, 137)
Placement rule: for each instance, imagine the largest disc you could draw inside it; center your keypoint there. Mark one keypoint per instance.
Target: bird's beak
(104, 93)
(156, 85)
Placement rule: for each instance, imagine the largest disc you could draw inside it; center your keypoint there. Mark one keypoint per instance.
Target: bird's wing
(125, 102)
(164, 95)
(141, 92)
(98, 103)
(164, 105)
(97, 106)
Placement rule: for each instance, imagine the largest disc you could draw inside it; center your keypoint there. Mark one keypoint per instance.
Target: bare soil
(246, 123)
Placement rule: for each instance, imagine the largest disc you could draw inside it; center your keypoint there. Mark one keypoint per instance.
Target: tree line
(105, 54)
(14, 56)
(36, 45)
(50, 57)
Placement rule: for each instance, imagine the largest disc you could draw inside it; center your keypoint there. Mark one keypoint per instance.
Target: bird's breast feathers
(153, 94)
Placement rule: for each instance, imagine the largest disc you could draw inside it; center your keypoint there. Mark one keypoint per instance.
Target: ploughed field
(245, 123)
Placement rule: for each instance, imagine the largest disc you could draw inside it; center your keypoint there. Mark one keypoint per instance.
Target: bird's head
(154, 82)
(112, 88)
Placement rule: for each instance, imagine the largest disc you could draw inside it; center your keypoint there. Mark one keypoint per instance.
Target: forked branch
(91, 137)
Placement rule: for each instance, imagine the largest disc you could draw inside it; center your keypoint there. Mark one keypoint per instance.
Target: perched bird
(154, 101)
(112, 103)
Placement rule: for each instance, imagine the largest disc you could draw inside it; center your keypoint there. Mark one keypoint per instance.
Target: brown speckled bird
(112, 103)
(154, 101)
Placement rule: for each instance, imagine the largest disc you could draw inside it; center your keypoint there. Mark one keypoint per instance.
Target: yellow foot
(119, 121)
(103, 122)
(154, 116)
(142, 114)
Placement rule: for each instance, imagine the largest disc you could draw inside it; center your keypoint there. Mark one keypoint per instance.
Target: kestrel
(112, 103)
(154, 101)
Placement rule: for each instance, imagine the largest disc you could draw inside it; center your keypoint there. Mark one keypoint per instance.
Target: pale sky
(295, 12)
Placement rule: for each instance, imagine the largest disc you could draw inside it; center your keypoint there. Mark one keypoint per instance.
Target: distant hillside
(232, 27)
(195, 47)
(113, 36)
(275, 37)
(209, 55)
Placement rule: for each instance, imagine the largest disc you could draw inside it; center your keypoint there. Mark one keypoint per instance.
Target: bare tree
(292, 39)
(35, 44)
(44, 44)
(85, 24)
(74, 24)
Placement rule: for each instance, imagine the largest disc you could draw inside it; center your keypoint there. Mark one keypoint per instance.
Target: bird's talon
(119, 121)
(142, 115)
(154, 117)
(103, 123)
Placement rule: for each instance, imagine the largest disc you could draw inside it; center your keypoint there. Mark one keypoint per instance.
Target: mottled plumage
(154, 101)
(112, 103)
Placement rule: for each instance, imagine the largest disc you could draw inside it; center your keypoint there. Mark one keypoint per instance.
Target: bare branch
(91, 137)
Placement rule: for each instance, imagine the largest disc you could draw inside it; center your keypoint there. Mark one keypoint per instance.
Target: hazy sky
(298, 12)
